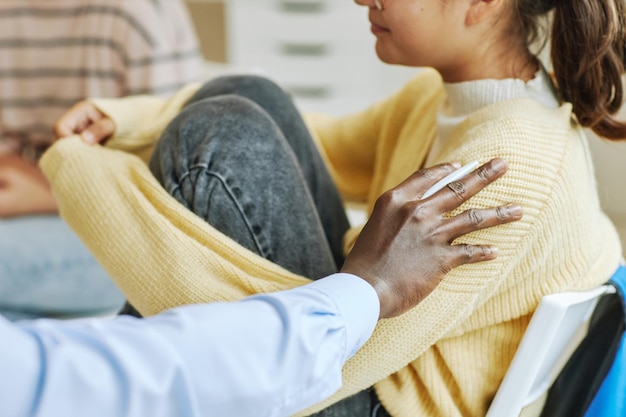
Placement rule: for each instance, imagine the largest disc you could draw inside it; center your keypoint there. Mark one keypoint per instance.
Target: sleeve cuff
(357, 303)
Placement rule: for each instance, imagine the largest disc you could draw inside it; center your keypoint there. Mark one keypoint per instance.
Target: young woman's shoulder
(526, 112)
(541, 145)
(521, 127)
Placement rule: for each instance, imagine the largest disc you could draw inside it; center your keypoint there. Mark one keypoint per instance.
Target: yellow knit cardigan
(447, 356)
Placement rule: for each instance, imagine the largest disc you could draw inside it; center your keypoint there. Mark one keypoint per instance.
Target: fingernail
(456, 165)
(515, 210)
(499, 164)
(87, 137)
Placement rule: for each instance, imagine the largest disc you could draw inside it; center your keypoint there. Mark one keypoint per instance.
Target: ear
(479, 10)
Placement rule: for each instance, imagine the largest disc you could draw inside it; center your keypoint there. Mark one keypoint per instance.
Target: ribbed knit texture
(445, 357)
(465, 98)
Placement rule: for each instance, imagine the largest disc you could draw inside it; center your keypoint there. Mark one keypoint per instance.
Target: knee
(253, 87)
(221, 116)
(217, 123)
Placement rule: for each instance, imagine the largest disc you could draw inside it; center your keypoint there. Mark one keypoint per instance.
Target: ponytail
(588, 41)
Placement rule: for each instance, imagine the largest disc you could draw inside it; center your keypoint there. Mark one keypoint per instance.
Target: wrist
(380, 287)
(383, 291)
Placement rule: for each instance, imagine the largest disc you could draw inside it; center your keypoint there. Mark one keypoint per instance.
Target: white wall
(610, 165)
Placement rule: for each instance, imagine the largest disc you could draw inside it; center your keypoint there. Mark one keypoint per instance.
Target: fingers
(73, 121)
(469, 254)
(98, 131)
(62, 128)
(457, 192)
(86, 120)
(420, 181)
(476, 219)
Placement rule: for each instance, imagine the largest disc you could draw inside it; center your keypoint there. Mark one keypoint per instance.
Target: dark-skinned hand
(405, 249)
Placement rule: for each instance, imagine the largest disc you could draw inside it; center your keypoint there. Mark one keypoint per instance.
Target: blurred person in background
(53, 54)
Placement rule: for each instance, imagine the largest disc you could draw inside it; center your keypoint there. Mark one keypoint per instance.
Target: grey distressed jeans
(240, 156)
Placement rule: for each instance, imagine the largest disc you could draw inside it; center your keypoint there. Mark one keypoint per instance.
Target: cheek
(409, 41)
(422, 28)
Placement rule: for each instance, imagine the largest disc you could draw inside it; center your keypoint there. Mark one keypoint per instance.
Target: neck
(507, 64)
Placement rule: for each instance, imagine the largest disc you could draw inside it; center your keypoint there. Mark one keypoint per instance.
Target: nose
(370, 3)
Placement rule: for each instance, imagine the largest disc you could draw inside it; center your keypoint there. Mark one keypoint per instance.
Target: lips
(377, 29)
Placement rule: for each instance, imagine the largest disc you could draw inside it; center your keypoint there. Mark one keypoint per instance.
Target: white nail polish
(379, 4)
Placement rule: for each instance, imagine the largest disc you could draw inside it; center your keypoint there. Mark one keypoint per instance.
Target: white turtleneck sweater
(465, 98)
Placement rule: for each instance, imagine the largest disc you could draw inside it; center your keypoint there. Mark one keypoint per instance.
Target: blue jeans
(45, 271)
(240, 156)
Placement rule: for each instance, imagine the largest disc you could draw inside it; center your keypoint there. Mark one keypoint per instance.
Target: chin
(385, 56)
(393, 55)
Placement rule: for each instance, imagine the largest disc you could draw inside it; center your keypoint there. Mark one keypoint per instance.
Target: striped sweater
(55, 53)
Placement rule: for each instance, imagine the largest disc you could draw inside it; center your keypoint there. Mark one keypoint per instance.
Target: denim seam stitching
(222, 180)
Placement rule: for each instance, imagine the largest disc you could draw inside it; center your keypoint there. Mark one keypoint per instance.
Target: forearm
(160, 254)
(270, 355)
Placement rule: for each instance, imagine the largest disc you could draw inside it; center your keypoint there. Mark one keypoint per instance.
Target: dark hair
(588, 57)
